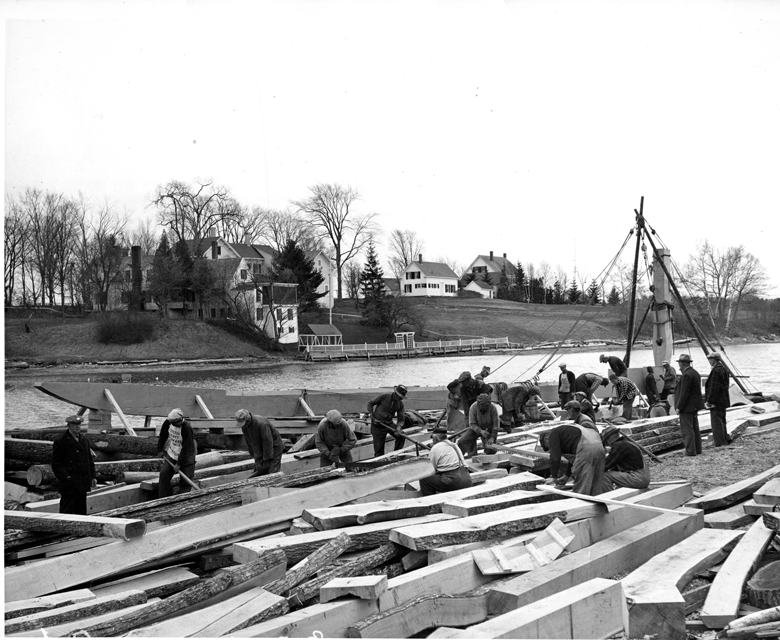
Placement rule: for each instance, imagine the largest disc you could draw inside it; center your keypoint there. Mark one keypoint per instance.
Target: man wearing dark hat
(585, 452)
(565, 385)
(589, 383)
(263, 442)
(625, 466)
(616, 364)
(577, 416)
(381, 411)
(483, 423)
(688, 402)
(334, 439)
(177, 447)
(717, 398)
(73, 465)
(449, 466)
(465, 389)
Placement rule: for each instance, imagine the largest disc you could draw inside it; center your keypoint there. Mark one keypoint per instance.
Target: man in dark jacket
(483, 423)
(625, 466)
(651, 388)
(588, 383)
(381, 411)
(74, 467)
(466, 389)
(670, 380)
(616, 364)
(583, 446)
(688, 402)
(513, 401)
(177, 447)
(263, 442)
(717, 398)
(565, 385)
(334, 439)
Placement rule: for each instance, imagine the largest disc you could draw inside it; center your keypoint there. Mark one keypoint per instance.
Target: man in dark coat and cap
(688, 402)
(717, 398)
(73, 465)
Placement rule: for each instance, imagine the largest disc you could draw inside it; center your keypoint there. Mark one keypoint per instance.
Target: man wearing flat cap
(670, 380)
(577, 416)
(334, 439)
(625, 466)
(73, 464)
(688, 401)
(177, 447)
(449, 467)
(717, 400)
(262, 441)
(381, 411)
(565, 385)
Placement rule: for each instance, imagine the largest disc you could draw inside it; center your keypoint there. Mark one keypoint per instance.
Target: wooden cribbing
(722, 604)
(76, 611)
(69, 524)
(366, 513)
(355, 567)
(772, 520)
(202, 591)
(655, 604)
(47, 603)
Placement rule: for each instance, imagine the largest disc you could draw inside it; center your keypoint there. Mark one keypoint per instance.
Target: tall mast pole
(640, 224)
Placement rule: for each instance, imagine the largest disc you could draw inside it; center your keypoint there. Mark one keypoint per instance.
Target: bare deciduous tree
(278, 228)
(192, 210)
(403, 247)
(16, 232)
(457, 267)
(351, 275)
(144, 235)
(330, 207)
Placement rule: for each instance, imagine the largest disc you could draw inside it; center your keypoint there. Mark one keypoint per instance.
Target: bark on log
(46, 603)
(74, 525)
(763, 589)
(106, 442)
(766, 630)
(206, 589)
(757, 617)
(29, 450)
(356, 567)
(95, 607)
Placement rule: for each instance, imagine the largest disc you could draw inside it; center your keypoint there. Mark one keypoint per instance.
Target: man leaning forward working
(381, 411)
(263, 442)
(177, 447)
(334, 439)
(449, 466)
(74, 467)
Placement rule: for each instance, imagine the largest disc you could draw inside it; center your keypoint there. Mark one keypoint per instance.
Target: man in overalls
(586, 455)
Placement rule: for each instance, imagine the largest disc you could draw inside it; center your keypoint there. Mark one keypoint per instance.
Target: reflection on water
(27, 407)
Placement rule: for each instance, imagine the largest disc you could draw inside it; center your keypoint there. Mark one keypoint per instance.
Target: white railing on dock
(393, 346)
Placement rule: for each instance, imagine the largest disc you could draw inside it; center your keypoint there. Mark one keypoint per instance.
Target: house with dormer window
(486, 271)
(429, 279)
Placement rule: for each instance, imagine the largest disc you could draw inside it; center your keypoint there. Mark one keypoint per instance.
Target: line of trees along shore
(62, 250)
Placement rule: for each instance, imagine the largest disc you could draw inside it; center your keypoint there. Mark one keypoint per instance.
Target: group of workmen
(591, 467)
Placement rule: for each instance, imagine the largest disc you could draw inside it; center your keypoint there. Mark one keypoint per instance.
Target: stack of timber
(325, 551)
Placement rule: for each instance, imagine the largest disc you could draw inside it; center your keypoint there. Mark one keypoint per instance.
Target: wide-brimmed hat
(400, 390)
(684, 358)
(714, 356)
(608, 433)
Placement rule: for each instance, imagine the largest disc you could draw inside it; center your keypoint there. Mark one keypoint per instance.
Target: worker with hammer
(177, 447)
(381, 411)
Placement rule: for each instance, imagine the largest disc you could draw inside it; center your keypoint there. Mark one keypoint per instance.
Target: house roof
(435, 270)
(391, 284)
(246, 250)
(481, 284)
(320, 330)
(498, 262)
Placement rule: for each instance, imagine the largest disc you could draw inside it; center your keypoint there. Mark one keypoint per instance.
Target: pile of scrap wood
(357, 554)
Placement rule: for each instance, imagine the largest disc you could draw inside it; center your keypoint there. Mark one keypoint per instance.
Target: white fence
(397, 346)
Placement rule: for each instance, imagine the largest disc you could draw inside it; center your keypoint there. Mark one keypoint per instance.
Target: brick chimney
(491, 255)
(419, 258)
(504, 256)
(213, 249)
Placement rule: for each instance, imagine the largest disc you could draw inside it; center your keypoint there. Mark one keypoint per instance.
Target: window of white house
(127, 276)
(407, 288)
(222, 312)
(256, 268)
(449, 288)
(259, 314)
(219, 251)
(289, 314)
(279, 315)
(213, 312)
(292, 329)
(243, 274)
(479, 269)
(413, 275)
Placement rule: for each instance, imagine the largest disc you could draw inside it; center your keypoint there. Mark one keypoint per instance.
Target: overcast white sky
(530, 128)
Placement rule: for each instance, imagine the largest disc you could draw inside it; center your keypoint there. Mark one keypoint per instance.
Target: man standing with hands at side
(688, 402)
(565, 385)
(74, 467)
(717, 398)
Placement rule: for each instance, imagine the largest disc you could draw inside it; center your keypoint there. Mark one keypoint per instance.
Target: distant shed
(318, 334)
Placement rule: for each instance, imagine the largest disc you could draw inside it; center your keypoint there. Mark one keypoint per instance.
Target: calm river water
(28, 407)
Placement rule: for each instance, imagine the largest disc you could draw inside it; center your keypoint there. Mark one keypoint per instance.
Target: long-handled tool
(398, 432)
(182, 476)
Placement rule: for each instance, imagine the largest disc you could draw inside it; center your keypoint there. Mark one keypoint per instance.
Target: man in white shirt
(449, 466)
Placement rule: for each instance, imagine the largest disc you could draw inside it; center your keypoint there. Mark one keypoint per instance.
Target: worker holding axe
(177, 447)
(381, 411)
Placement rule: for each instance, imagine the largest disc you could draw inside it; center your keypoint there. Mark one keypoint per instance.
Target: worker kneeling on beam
(582, 445)
(449, 466)
(625, 465)
(177, 447)
(334, 439)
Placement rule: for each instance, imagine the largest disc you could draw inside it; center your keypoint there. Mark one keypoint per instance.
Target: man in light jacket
(334, 439)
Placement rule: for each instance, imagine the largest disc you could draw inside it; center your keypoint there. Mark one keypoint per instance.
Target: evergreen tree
(519, 288)
(166, 275)
(181, 253)
(372, 287)
(614, 296)
(593, 293)
(292, 261)
(537, 291)
(557, 292)
(503, 285)
(573, 293)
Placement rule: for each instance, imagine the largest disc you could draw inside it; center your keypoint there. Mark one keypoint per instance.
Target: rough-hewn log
(763, 589)
(464, 508)
(56, 574)
(202, 591)
(655, 604)
(769, 494)
(366, 513)
(727, 496)
(159, 583)
(73, 525)
(41, 474)
(766, 630)
(772, 520)
(363, 587)
(28, 450)
(731, 518)
(357, 566)
(105, 442)
(74, 611)
(47, 603)
(757, 617)
(722, 603)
